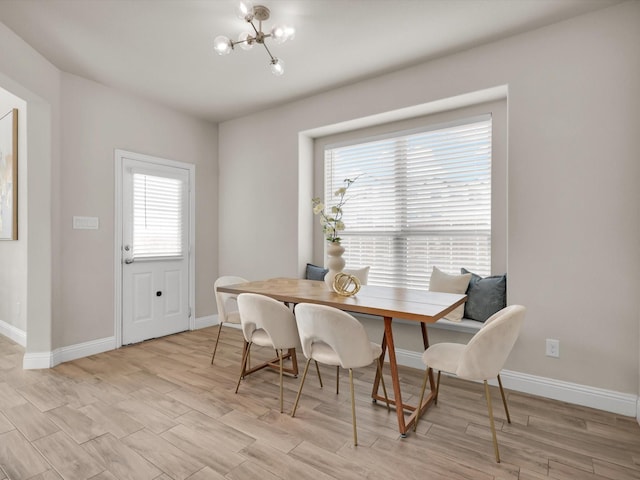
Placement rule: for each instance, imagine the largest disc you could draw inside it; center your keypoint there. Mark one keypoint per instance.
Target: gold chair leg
(384, 389)
(215, 347)
(493, 426)
(245, 356)
(337, 379)
(304, 375)
(281, 355)
(422, 389)
(353, 408)
(319, 377)
(504, 400)
(435, 399)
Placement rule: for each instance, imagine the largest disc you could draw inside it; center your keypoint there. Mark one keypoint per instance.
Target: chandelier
(251, 13)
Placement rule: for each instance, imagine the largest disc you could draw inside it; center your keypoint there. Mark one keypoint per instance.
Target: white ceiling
(162, 49)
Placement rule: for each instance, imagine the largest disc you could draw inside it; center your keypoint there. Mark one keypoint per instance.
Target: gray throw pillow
(485, 296)
(315, 272)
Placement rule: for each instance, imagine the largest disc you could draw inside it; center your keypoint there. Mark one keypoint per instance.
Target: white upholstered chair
(267, 323)
(227, 305)
(334, 337)
(481, 359)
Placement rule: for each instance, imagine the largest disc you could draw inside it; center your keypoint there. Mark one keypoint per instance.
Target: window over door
(422, 198)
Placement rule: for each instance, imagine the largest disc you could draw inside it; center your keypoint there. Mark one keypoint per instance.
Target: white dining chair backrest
(259, 312)
(342, 332)
(227, 303)
(486, 353)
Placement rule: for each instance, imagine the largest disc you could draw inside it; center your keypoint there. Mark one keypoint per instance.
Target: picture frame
(9, 175)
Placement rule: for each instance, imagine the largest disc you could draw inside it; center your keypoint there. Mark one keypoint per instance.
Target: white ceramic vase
(335, 262)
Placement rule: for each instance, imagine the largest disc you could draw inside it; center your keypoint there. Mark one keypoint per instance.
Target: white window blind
(421, 199)
(158, 216)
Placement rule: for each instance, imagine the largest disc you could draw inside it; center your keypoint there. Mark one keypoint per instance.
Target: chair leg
(504, 400)
(319, 377)
(422, 389)
(281, 355)
(304, 375)
(384, 389)
(435, 400)
(493, 426)
(243, 368)
(337, 379)
(215, 347)
(353, 408)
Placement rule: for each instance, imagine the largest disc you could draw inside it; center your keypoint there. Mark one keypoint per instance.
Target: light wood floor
(159, 410)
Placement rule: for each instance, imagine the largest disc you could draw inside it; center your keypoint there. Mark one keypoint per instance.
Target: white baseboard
(14, 333)
(212, 320)
(35, 361)
(208, 321)
(608, 400)
(65, 354)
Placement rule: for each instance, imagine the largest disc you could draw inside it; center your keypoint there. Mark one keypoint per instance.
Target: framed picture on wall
(9, 176)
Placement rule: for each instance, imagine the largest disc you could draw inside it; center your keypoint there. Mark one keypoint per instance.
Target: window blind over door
(421, 199)
(158, 216)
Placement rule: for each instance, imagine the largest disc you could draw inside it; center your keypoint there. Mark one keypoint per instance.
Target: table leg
(397, 395)
(376, 381)
(274, 364)
(404, 424)
(425, 342)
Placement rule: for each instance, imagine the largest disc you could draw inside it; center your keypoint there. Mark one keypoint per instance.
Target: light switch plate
(85, 223)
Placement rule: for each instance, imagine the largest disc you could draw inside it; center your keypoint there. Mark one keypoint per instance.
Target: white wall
(73, 127)
(573, 227)
(27, 75)
(96, 120)
(13, 254)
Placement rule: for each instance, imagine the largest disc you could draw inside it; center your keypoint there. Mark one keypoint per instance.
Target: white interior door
(155, 250)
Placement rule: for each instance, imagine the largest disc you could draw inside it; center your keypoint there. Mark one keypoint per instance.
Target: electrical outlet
(553, 348)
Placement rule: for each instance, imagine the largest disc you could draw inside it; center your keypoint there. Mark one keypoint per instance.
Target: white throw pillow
(445, 283)
(361, 273)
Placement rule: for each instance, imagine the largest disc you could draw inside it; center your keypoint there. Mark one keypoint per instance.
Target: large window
(422, 198)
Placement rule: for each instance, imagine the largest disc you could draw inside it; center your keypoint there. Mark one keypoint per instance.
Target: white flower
(332, 224)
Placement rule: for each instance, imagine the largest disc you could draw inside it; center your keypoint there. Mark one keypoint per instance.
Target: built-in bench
(465, 325)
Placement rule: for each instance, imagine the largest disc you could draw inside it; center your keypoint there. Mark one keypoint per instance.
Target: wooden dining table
(421, 306)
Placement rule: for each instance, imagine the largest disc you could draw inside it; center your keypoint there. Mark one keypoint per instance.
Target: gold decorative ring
(346, 285)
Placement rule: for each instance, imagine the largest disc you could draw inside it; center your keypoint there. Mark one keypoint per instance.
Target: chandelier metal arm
(259, 38)
(273, 59)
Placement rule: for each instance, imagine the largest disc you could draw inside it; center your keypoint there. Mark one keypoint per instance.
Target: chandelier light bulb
(289, 32)
(246, 41)
(245, 11)
(277, 67)
(222, 45)
(282, 33)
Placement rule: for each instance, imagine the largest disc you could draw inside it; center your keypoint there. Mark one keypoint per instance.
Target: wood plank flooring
(159, 410)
